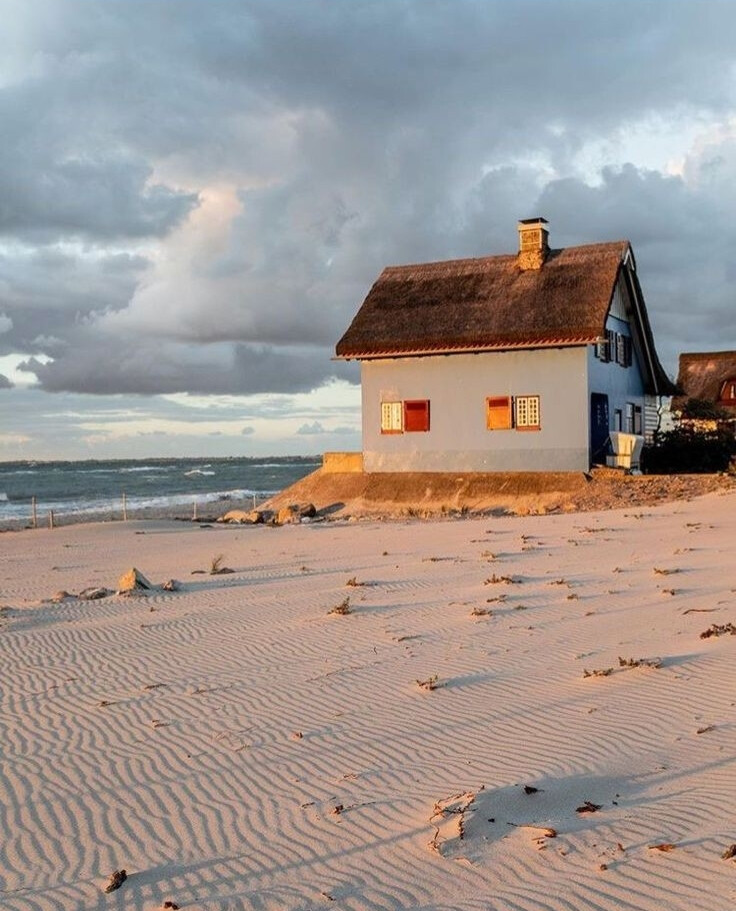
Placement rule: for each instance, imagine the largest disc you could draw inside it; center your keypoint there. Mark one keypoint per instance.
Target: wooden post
(194, 512)
(254, 501)
(34, 514)
(125, 508)
(51, 518)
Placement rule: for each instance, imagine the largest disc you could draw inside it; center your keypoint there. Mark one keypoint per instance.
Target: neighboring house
(522, 362)
(708, 377)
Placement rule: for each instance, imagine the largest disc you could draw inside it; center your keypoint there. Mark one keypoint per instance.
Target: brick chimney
(533, 246)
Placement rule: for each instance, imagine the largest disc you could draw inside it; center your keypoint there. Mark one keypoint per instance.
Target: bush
(702, 410)
(686, 450)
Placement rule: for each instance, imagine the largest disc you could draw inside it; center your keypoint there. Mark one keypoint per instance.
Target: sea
(91, 489)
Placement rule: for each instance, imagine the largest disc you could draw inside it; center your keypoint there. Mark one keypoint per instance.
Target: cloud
(5, 382)
(104, 365)
(316, 428)
(6, 324)
(313, 429)
(682, 240)
(248, 431)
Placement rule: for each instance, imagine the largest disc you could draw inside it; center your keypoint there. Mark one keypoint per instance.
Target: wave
(285, 464)
(130, 469)
(113, 506)
(199, 471)
(3, 497)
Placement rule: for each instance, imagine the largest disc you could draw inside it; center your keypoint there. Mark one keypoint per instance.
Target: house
(519, 362)
(709, 379)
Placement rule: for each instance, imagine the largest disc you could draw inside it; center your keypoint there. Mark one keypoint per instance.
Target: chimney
(533, 246)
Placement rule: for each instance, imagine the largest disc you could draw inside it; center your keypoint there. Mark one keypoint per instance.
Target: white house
(520, 362)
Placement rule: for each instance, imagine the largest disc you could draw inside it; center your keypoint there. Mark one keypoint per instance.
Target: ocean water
(94, 489)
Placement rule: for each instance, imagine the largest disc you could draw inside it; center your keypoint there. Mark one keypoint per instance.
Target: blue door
(598, 428)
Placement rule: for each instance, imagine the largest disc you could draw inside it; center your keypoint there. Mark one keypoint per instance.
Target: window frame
(629, 417)
(728, 391)
(416, 407)
(525, 427)
(397, 407)
(638, 420)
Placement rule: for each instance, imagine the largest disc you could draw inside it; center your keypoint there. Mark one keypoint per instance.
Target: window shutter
(498, 413)
(611, 345)
(620, 350)
(416, 416)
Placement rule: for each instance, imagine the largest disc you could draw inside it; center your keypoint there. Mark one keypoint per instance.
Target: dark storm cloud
(5, 382)
(47, 292)
(148, 367)
(352, 135)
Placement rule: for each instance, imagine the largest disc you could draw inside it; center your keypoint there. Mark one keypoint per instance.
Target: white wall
(457, 386)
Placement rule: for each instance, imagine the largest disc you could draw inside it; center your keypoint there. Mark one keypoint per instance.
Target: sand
(237, 745)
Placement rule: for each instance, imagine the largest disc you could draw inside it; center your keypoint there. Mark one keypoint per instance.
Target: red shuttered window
(498, 412)
(416, 416)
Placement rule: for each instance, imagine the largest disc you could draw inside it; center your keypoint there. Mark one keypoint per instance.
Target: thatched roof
(490, 304)
(702, 375)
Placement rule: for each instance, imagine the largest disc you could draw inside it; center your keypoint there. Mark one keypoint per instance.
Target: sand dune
(236, 745)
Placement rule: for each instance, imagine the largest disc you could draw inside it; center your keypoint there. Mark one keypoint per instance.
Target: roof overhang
(429, 351)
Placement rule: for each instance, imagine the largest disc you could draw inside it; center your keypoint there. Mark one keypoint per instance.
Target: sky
(195, 197)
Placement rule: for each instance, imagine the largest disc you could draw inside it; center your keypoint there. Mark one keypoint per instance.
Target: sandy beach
(489, 713)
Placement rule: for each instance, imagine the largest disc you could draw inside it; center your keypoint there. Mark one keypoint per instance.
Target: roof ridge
(496, 257)
(707, 354)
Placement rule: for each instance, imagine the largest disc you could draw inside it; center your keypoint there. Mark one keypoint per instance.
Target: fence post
(51, 518)
(34, 514)
(194, 512)
(125, 508)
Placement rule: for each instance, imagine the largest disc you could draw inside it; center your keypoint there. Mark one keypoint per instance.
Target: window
(638, 423)
(728, 392)
(611, 344)
(616, 348)
(623, 350)
(526, 409)
(629, 417)
(498, 413)
(628, 352)
(392, 417)
(416, 416)
(617, 419)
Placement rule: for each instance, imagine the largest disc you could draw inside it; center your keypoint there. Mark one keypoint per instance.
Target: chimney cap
(533, 221)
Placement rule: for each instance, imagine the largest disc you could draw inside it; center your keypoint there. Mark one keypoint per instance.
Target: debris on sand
(116, 880)
(719, 629)
(588, 807)
(94, 594)
(341, 609)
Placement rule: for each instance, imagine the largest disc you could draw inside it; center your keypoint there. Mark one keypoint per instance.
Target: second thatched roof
(702, 375)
